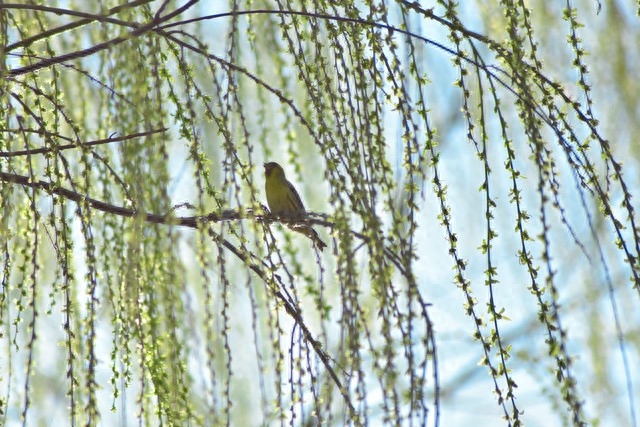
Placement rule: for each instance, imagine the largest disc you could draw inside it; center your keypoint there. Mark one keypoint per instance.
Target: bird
(283, 198)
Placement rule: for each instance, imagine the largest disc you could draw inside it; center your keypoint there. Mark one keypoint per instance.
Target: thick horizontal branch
(188, 221)
(169, 218)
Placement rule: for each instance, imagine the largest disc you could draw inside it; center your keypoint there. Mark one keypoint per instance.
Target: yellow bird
(283, 198)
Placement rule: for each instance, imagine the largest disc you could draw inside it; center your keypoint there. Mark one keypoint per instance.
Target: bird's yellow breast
(277, 195)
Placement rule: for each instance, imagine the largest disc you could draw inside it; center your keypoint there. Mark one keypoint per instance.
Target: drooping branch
(197, 222)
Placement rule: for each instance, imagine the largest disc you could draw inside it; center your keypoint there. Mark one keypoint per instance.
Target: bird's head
(273, 169)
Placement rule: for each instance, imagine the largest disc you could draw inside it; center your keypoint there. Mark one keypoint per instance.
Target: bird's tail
(310, 233)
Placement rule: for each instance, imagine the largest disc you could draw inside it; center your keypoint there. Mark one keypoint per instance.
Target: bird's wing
(294, 198)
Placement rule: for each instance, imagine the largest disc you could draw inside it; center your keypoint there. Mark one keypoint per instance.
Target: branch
(195, 222)
(45, 150)
(295, 315)
(87, 19)
(101, 46)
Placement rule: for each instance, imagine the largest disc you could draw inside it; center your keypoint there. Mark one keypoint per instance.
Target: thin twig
(45, 150)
